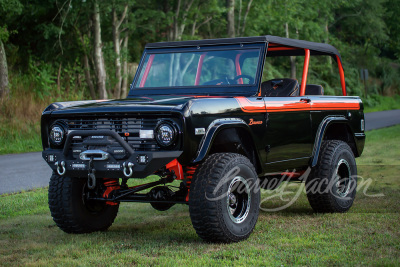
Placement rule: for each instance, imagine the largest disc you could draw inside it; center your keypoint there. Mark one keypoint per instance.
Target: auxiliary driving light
(166, 134)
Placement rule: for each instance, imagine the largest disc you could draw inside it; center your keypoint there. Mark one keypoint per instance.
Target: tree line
(89, 46)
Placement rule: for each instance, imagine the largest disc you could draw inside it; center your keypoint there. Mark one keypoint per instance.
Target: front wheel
(224, 198)
(72, 212)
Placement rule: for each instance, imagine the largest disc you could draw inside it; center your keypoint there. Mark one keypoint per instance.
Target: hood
(152, 104)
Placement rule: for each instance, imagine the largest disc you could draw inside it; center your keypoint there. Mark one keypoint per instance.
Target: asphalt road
(23, 172)
(26, 171)
(381, 119)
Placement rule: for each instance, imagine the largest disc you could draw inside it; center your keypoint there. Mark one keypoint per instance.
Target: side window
(279, 79)
(281, 67)
(322, 79)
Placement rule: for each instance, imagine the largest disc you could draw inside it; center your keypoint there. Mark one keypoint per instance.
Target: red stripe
(249, 106)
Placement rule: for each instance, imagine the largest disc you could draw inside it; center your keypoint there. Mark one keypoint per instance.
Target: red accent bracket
(177, 168)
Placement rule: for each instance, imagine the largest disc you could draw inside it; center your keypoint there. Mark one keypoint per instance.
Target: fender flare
(319, 137)
(213, 129)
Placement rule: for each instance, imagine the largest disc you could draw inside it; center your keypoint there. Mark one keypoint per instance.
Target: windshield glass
(223, 68)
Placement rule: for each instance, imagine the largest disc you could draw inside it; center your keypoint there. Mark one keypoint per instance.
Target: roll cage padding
(314, 89)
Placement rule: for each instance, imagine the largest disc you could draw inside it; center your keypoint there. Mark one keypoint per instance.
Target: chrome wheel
(343, 178)
(238, 199)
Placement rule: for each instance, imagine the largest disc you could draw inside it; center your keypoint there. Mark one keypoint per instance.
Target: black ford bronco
(201, 115)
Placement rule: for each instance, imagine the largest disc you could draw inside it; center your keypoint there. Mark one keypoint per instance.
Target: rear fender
(323, 131)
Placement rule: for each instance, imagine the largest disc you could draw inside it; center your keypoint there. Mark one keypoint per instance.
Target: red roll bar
(341, 73)
(146, 71)
(305, 72)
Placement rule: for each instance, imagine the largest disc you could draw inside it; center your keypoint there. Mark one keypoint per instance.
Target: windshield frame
(242, 89)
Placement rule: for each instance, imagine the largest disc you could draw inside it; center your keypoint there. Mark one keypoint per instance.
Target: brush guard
(94, 163)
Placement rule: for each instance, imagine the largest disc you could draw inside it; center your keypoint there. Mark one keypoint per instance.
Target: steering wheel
(250, 78)
(219, 81)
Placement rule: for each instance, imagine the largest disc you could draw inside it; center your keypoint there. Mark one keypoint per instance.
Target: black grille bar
(126, 127)
(113, 124)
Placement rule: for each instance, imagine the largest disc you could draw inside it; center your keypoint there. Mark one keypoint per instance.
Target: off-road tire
(323, 186)
(71, 213)
(210, 217)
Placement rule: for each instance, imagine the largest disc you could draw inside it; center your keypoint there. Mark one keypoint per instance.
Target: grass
(379, 103)
(367, 235)
(20, 114)
(19, 137)
(20, 124)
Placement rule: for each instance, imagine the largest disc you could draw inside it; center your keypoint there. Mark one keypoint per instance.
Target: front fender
(215, 127)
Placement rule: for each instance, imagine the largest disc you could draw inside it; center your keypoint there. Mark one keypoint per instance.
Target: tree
(4, 90)
(116, 32)
(8, 9)
(84, 38)
(124, 85)
(241, 26)
(392, 20)
(100, 68)
(230, 17)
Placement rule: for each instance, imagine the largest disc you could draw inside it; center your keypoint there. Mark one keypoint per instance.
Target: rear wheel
(224, 198)
(331, 186)
(71, 210)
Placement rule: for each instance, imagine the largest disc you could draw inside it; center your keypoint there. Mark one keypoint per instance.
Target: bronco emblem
(252, 122)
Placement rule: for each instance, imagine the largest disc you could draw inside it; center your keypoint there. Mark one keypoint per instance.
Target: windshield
(207, 68)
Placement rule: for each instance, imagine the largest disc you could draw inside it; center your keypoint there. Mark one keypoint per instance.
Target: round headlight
(166, 134)
(57, 134)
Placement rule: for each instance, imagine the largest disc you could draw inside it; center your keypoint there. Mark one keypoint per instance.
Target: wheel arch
(333, 128)
(229, 136)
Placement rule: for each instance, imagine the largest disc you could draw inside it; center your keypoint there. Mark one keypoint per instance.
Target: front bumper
(142, 163)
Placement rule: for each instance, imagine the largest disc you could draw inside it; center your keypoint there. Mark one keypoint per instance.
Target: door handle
(305, 100)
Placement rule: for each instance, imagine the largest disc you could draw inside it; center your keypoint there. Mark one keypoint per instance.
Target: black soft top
(274, 42)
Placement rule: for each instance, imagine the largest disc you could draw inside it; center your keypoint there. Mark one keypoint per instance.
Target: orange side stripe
(249, 106)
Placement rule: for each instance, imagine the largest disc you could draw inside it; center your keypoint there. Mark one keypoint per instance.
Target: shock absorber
(190, 170)
(111, 185)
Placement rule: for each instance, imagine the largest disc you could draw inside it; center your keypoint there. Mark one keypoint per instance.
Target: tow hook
(60, 167)
(128, 165)
(91, 183)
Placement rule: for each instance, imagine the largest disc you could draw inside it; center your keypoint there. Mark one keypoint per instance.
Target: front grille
(127, 128)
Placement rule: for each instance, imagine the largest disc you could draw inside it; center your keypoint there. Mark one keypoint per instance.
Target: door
(288, 137)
